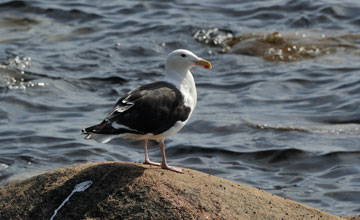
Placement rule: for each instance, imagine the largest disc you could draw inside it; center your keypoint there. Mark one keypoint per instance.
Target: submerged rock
(286, 46)
(135, 191)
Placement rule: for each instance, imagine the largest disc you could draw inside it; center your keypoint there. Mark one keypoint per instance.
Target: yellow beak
(204, 63)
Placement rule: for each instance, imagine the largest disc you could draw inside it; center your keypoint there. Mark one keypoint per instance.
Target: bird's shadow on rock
(108, 180)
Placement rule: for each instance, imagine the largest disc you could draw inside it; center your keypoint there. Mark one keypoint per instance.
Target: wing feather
(152, 108)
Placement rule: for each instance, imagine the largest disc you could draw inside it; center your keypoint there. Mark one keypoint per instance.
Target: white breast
(188, 89)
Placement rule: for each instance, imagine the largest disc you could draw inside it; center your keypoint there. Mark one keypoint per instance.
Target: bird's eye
(183, 55)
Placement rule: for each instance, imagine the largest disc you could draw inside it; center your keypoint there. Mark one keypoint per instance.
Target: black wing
(152, 108)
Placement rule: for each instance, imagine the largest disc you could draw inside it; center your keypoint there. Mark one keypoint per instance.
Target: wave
(60, 14)
(271, 156)
(106, 80)
(295, 159)
(13, 75)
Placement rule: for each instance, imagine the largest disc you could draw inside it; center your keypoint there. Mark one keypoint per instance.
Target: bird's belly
(173, 130)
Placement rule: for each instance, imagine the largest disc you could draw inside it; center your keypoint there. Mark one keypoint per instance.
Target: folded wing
(152, 108)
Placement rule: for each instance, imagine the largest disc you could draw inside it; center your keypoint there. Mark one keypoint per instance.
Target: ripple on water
(348, 196)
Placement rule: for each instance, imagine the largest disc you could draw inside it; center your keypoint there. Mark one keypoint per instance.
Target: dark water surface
(280, 110)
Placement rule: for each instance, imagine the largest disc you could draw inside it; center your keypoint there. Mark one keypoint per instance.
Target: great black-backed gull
(156, 110)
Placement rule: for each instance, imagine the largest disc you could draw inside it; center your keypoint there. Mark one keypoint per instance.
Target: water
(278, 111)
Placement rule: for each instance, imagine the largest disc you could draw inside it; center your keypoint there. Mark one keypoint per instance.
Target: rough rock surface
(136, 191)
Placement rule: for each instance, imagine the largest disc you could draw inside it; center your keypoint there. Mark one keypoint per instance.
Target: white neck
(185, 82)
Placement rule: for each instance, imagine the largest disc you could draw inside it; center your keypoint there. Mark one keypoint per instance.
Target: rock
(135, 191)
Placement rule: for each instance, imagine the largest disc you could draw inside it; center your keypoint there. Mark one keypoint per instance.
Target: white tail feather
(101, 138)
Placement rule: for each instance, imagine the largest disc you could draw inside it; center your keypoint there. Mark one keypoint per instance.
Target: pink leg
(147, 161)
(163, 156)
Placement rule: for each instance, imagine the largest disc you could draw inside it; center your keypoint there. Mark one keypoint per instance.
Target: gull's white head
(182, 60)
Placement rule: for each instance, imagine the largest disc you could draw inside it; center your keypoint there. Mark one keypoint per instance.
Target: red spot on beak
(207, 67)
